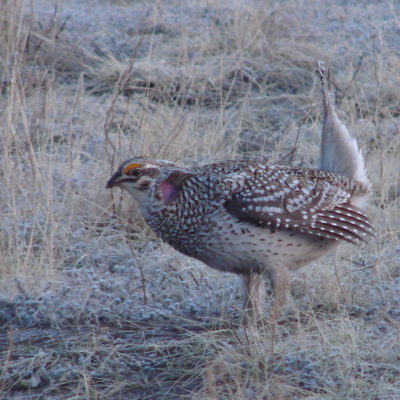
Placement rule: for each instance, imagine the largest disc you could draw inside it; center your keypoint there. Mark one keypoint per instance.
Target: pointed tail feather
(339, 150)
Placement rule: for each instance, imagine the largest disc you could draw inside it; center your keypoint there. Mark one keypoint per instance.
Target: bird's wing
(309, 201)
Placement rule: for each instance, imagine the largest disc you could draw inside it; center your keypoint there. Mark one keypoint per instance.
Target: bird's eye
(133, 172)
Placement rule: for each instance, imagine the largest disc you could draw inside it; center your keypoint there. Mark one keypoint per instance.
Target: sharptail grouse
(255, 218)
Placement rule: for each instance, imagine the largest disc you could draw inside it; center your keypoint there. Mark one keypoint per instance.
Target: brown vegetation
(92, 304)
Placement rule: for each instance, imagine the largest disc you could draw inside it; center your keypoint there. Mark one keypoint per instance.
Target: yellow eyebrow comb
(132, 166)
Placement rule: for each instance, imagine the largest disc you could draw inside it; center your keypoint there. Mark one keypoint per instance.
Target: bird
(258, 219)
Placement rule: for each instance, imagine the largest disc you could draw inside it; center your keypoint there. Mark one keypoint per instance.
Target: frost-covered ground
(92, 304)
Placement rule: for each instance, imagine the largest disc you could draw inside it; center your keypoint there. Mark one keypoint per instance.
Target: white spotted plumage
(252, 217)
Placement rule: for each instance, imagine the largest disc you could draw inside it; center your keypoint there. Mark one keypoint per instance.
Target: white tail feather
(339, 150)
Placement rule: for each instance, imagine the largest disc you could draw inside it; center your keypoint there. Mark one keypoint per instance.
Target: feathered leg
(280, 283)
(254, 300)
(255, 294)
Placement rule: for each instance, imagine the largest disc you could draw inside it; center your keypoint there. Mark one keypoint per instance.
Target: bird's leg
(254, 300)
(280, 284)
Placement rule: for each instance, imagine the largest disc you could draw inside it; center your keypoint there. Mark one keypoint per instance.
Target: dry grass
(93, 306)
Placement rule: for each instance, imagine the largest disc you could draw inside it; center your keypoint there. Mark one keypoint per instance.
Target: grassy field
(92, 304)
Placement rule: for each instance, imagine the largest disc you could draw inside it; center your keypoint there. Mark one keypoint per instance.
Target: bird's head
(141, 176)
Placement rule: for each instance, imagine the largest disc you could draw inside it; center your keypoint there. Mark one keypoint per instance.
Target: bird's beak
(114, 180)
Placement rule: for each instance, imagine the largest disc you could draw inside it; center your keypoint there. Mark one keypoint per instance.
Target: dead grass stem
(93, 305)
